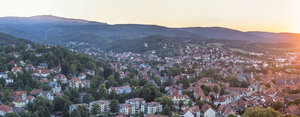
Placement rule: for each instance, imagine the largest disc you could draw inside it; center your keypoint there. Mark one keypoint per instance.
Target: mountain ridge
(34, 28)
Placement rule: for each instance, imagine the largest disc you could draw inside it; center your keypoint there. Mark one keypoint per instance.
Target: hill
(97, 34)
(6, 39)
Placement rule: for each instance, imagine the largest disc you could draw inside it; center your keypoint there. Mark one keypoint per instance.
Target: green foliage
(167, 111)
(206, 89)
(190, 103)
(75, 113)
(180, 103)
(261, 112)
(199, 103)
(232, 115)
(42, 106)
(6, 39)
(276, 105)
(12, 114)
(95, 109)
(296, 101)
(84, 111)
(61, 104)
(216, 89)
(114, 105)
(150, 92)
(6, 97)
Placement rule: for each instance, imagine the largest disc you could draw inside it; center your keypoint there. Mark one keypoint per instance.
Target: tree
(42, 106)
(141, 114)
(232, 115)
(102, 91)
(25, 114)
(268, 85)
(199, 103)
(222, 91)
(216, 89)
(87, 98)
(190, 103)
(6, 97)
(167, 111)
(150, 92)
(61, 104)
(261, 112)
(12, 114)
(95, 109)
(233, 81)
(114, 105)
(186, 83)
(276, 105)
(180, 103)
(75, 113)
(84, 111)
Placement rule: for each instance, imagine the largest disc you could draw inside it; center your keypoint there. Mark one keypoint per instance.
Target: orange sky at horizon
(244, 15)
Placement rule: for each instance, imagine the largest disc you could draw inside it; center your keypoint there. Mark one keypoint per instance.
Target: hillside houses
(120, 90)
(5, 109)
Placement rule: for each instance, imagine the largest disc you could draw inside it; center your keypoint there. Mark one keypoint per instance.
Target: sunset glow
(245, 15)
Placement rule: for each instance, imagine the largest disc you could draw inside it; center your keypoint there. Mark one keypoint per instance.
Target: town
(200, 81)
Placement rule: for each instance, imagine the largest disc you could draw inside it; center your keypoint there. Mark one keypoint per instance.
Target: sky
(244, 15)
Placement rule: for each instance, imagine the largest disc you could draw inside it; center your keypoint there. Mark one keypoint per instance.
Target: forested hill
(6, 39)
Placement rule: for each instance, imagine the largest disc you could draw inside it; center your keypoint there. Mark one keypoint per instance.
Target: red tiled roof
(205, 107)
(17, 93)
(36, 91)
(15, 69)
(5, 108)
(74, 80)
(193, 109)
(18, 100)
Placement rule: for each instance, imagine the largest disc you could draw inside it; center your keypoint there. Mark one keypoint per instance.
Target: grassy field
(237, 50)
(216, 44)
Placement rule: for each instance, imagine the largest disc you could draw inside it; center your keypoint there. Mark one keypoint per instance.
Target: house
(127, 109)
(90, 72)
(104, 105)
(225, 111)
(21, 94)
(47, 94)
(36, 92)
(120, 90)
(82, 76)
(293, 109)
(192, 112)
(75, 106)
(151, 107)
(41, 72)
(55, 87)
(16, 69)
(3, 75)
(137, 102)
(60, 77)
(29, 99)
(43, 65)
(177, 98)
(74, 83)
(44, 80)
(207, 111)
(8, 80)
(85, 83)
(19, 102)
(29, 67)
(56, 70)
(5, 109)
